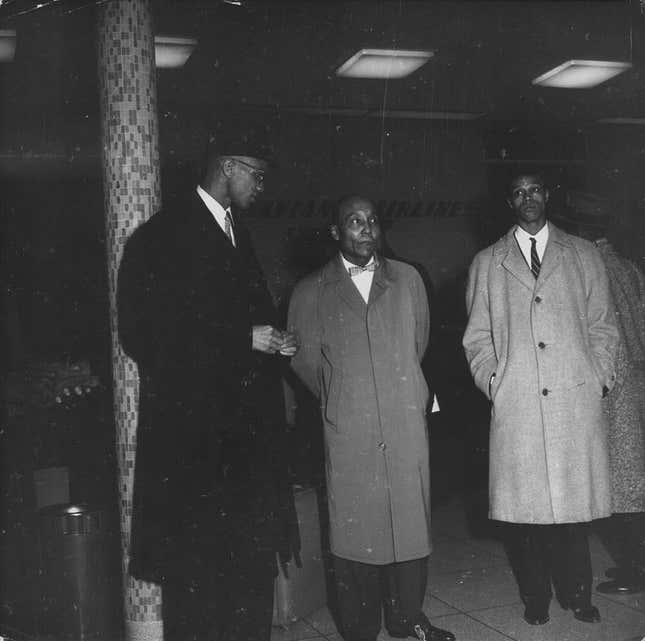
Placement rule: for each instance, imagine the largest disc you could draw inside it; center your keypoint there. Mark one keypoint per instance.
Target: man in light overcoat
(541, 342)
(363, 324)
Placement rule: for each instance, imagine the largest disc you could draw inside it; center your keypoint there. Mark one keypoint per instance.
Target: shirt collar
(541, 237)
(213, 206)
(347, 264)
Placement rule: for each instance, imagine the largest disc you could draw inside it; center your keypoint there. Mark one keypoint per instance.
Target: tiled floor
(472, 592)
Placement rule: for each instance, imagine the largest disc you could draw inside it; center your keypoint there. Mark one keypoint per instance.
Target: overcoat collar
(509, 255)
(335, 274)
(206, 224)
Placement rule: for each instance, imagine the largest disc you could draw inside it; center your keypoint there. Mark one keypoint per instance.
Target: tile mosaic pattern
(132, 194)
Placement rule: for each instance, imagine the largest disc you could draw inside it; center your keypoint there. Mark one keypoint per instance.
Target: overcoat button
(382, 446)
(538, 299)
(541, 345)
(545, 392)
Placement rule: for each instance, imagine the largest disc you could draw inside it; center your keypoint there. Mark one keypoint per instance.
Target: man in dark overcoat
(541, 342)
(211, 502)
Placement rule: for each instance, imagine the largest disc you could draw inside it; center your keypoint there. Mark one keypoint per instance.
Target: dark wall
(439, 194)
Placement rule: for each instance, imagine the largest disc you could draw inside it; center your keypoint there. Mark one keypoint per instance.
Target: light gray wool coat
(625, 406)
(363, 361)
(552, 343)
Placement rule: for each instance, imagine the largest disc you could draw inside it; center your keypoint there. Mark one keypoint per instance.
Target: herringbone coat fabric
(552, 344)
(625, 406)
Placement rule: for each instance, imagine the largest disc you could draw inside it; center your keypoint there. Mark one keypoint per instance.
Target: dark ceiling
(282, 56)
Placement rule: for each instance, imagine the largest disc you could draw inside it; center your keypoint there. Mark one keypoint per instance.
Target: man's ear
(227, 165)
(333, 230)
(546, 195)
(509, 203)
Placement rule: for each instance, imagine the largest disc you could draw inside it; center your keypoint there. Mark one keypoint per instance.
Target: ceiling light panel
(7, 44)
(383, 63)
(172, 52)
(581, 74)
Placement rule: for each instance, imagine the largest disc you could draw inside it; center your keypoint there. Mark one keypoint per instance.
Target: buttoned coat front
(363, 362)
(552, 344)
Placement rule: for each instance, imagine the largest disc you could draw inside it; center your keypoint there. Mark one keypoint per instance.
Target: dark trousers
(363, 589)
(544, 554)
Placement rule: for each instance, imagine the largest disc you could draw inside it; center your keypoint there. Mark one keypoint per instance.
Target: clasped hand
(270, 340)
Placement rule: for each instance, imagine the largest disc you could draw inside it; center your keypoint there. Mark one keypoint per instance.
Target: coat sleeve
(303, 319)
(141, 317)
(601, 318)
(478, 337)
(422, 314)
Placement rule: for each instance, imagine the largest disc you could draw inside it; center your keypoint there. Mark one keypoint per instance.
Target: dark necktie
(355, 270)
(535, 259)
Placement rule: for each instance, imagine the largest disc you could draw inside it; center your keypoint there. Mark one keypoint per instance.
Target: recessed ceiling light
(581, 74)
(7, 44)
(172, 52)
(383, 63)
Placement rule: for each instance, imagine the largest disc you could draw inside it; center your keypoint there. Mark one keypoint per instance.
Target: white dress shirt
(523, 239)
(363, 281)
(219, 213)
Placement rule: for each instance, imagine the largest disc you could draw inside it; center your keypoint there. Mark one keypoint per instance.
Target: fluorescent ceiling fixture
(620, 120)
(7, 45)
(383, 63)
(172, 52)
(581, 74)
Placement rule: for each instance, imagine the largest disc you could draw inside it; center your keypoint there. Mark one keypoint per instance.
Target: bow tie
(355, 270)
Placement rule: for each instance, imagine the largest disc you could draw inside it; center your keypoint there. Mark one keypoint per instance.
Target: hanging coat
(552, 344)
(625, 406)
(363, 362)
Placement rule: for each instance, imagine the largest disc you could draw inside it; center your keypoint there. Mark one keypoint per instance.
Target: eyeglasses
(533, 190)
(258, 174)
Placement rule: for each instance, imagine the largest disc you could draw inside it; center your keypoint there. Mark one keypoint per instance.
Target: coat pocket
(332, 388)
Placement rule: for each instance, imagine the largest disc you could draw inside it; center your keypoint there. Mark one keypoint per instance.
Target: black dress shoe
(427, 632)
(423, 631)
(588, 613)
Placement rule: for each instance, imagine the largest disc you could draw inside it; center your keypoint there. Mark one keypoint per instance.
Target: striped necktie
(535, 259)
(228, 227)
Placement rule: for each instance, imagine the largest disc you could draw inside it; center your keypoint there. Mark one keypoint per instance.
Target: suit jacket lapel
(216, 237)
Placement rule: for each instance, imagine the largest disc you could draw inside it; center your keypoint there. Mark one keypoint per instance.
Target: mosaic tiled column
(131, 183)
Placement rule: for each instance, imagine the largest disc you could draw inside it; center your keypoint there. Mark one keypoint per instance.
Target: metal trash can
(75, 586)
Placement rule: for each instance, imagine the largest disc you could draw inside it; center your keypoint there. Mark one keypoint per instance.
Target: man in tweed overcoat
(541, 342)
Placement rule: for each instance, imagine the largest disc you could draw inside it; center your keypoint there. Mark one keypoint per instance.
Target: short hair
(343, 201)
(516, 175)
